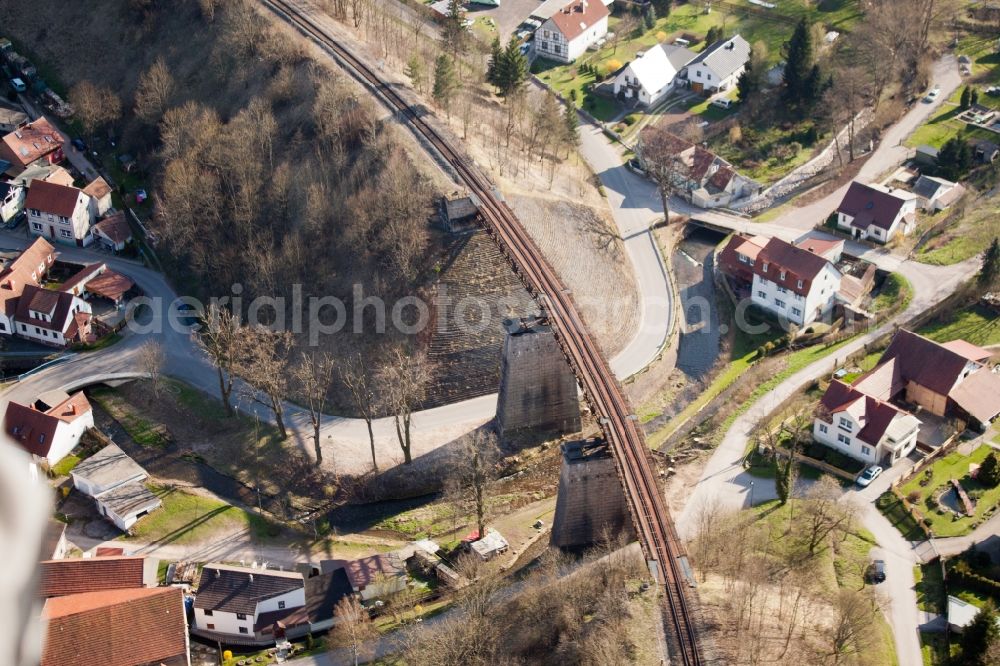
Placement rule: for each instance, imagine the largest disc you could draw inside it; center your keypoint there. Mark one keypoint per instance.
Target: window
(782, 274)
(796, 312)
(24, 329)
(243, 630)
(281, 605)
(36, 226)
(38, 331)
(208, 613)
(823, 428)
(708, 76)
(799, 284)
(210, 626)
(865, 450)
(765, 266)
(545, 34)
(241, 616)
(844, 439)
(63, 219)
(780, 303)
(3, 326)
(762, 294)
(846, 424)
(782, 290)
(65, 233)
(744, 259)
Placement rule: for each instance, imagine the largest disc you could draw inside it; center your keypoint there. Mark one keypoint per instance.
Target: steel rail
(649, 512)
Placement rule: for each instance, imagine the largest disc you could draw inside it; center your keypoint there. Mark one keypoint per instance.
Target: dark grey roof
(725, 56)
(238, 589)
(108, 466)
(130, 499)
(678, 56)
(928, 187)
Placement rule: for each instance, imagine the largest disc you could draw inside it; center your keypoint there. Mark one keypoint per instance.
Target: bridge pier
(538, 391)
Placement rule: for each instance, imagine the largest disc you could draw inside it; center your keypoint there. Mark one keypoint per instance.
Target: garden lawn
(976, 325)
(895, 291)
(188, 518)
(896, 513)
(953, 466)
(965, 239)
(66, 465)
(931, 596)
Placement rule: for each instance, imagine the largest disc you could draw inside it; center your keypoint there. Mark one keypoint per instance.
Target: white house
(27, 269)
(490, 546)
(59, 212)
(115, 481)
(863, 427)
(792, 282)
(50, 427)
(230, 599)
(934, 194)
(52, 317)
(651, 76)
(566, 35)
(100, 197)
(719, 66)
(113, 232)
(877, 213)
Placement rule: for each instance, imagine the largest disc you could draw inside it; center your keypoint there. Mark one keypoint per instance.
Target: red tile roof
(924, 361)
(798, 264)
(31, 142)
(98, 188)
(869, 206)
(56, 304)
(877, 414)
(18, 274)
(35, 430)
(91, 574)
(116, 628)
(110, 284)
(729, 257)
(822, 247)
(52, 198)
(979, 395)
(968, 350)
(115, 227)
(81, 276)
(576, 17)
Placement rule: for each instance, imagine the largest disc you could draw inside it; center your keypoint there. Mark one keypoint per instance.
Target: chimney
(9, 284)
(218, 574)
(72, 409)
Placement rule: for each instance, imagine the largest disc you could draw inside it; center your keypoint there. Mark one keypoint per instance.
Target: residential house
(877, 213)
(100, 197)
(113, 232)
(78, 575)
(946, 379)
(566, 35)
(792, 283)
(374, 576)
(828, 247)
(934, 194)
(256, 606)
(984, 152)
(718, 67)
(34, 142)
(77, 283)
(649, 78)
(28, 268)
(704, 179)
(961, 614)
(50, 173)
(115, 481)
(52, 317)
(59, 212)
(863, 427)
(49, 429)
(118, 627)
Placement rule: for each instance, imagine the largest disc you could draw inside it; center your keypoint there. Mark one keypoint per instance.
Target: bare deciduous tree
(853, 630)
(152, 95)
(314, 375)
(473, 472)
(220, 335)
(151, 360)
(403, 381)
(823, 513)
(663, 159)
(95, 105)
(355, 374)
(263, 365)
(353, 629)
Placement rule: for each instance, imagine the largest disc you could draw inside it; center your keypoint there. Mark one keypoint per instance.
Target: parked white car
(932, 95)
(869, 475)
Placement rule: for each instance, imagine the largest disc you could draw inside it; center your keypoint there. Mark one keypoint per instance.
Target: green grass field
(896, 513)
(945, 523)
(188, 518)
(975, 324)
(966, 238)
(896, 292)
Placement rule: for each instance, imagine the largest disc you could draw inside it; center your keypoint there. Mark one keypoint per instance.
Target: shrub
(661, 36)
(612, 66)
(913, 496)
(989, 471)
(768, 347)
(572, 94)
(931, 502)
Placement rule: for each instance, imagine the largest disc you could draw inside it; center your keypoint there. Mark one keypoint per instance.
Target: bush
(913, 496)
(572, 94)
(631, 119)
(612, 66)
(989, 471)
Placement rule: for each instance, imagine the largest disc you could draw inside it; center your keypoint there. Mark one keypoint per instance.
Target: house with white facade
(27, 269)
(792, 282)
(566, 35)
(863, 427)
(56, 318)
(934, 194)
(240, 605)
(100, 197)
(59, 213)
(718, 67)
(873, 212)
(11, 201)
(50, 427)
(649, 78)
(115, 481)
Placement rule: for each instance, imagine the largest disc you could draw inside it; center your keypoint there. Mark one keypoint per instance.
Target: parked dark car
(876, 571)
(79, 144)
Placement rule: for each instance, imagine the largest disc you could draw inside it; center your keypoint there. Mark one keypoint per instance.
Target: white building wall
(226, 623)
(73, 230)
(853, 447)
(68, 436)
(550, 43)
(292, 599)
(48, 336)
(12, 205)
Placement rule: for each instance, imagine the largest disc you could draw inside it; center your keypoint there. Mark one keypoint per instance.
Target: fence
(820, 465)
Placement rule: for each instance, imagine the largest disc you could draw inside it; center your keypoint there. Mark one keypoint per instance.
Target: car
(869, 475)
(876, 572)
(18, 85)
(722, 103)
(932, 95)
(79, 144)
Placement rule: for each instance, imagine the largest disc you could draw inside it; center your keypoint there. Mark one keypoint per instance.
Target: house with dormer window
(873, 212)
(59, 213)
(52, 317)
(566, 35)
(793, 283)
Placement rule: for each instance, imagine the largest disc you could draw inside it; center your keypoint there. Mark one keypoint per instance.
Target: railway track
(654, 526)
